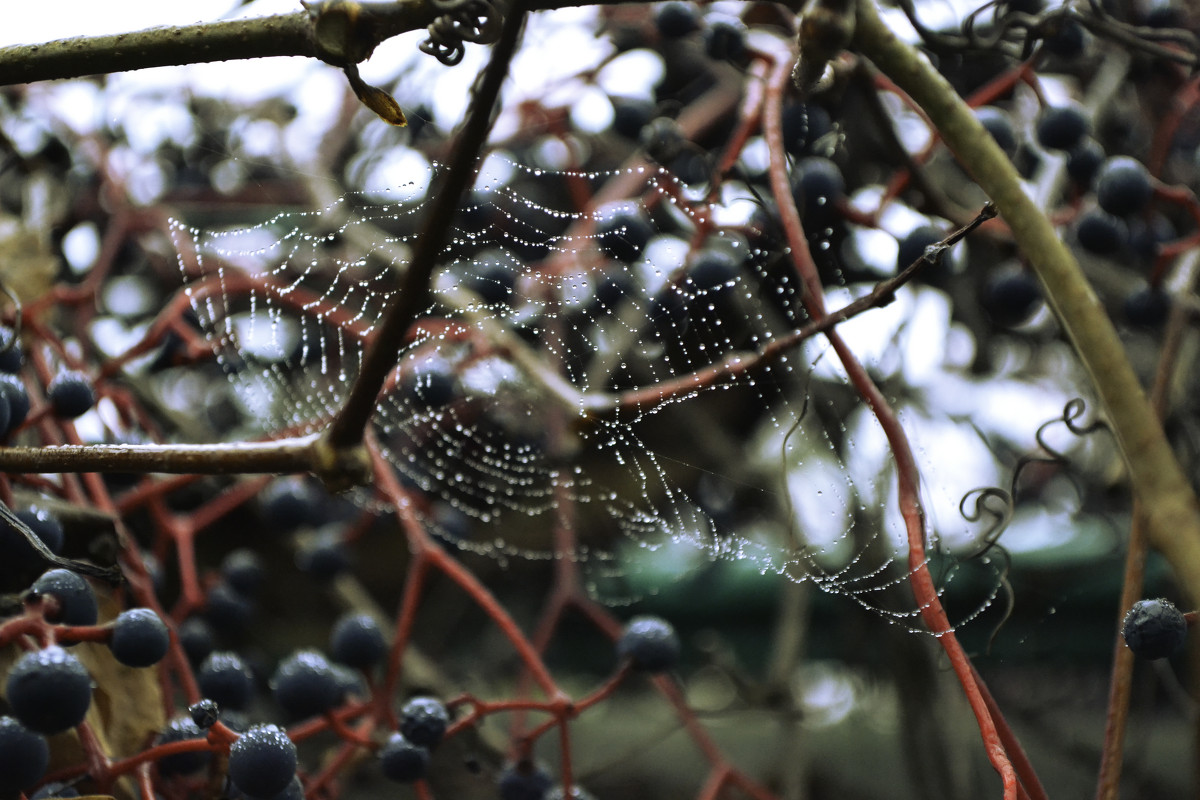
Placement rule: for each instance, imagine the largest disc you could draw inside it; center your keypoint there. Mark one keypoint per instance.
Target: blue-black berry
(204, 713)
(1147, 307)
(225, 678)
(1123, 186)
(915, 243)
(676, 19)
(430, 382)
(818, 187)
(262, 762)
(1011, 297)
(662, 139)
(139, 638)
(181, 729)
(11, 354)
(197, 639)
(1062, 127)
(725, 40)
(243, 570)
(576, 793)
(998, 123)
(24, 756)
(71, 394)
(524, 781)
(622, 231)
(1101, 233)
(13, 390)
(305, 685)
(650, 644)
(1084, 160)
(325, 554)
(357, 641)
(228, 610)
(76, 600)
(1154, 629)
(423, 721)
(49, 690)
(402, 760)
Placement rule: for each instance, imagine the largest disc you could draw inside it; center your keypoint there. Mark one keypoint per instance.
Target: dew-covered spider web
(583, 363)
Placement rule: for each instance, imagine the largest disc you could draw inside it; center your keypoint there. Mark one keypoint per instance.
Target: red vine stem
(908, 478)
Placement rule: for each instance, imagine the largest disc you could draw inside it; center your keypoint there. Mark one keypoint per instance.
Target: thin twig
(1171, 506)
(346, 430)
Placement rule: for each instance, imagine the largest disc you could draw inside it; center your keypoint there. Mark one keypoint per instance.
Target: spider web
(513, 396)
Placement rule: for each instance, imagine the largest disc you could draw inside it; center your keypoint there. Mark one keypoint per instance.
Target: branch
(1171, 508)
(339, 33)
(346, 430)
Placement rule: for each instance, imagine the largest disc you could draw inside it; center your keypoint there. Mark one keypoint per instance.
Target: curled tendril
(112, 575)
(460, 21)
(1027, 30)
(979, 503)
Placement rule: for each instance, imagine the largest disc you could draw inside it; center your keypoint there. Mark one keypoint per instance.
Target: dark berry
(725, 40)
(492, 275)
(139, 638)
(71, 394)
(1065, 38)
(262, 762)
(350, 682)
(24, 756)
(225, 678)
(1010, 297)
(613, 286)
(204, 713)
(324, 555)
(622, 231)
(357, 641)
(1062, 127)
(289, 503)
(998, 123)
(804, 124)
(228, 610)
(1123, 186)
(423, 721)
(914, 245)
(819, 185)
(662, 139)
(1163, 14)
(305, 685)
(181, 729)
(11, 355)
(243, 570)
(1147, 307)
(675, 20)
(17, 555)
(1154, 629)
(1084, 160)
(430, 382)
(1101, 233)
(650, 644)
(630, 115)
(712, 270)
(49, 690)
(1146, 236)
(403, 761)
(524, 781)
(13, 390)
(197, 639)
(76, 600)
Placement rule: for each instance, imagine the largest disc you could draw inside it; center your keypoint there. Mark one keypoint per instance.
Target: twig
(346, 430)
(1172, 510)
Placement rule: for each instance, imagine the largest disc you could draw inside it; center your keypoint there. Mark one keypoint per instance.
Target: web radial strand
(539, 311)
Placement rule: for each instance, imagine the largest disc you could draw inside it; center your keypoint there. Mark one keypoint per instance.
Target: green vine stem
(1172, 513)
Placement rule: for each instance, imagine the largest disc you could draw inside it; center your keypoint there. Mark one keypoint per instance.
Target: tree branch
(1172, 511)
(346, 430)
(338, 33)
